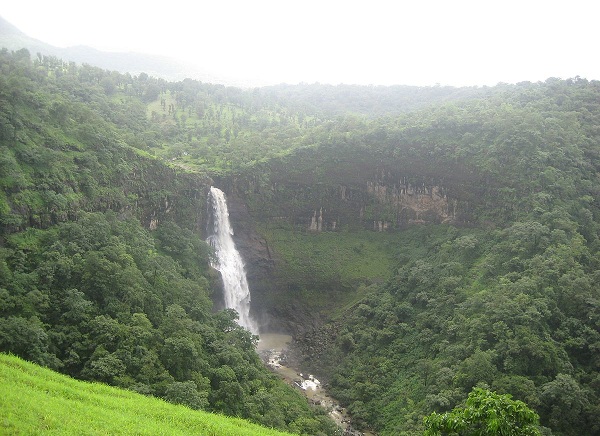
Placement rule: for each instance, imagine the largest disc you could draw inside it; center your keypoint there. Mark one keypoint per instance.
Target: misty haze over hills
(134, 63)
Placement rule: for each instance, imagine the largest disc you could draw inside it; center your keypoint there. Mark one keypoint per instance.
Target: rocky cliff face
(253, 248)
(182, 198)
(383, 202)
(412, 203)
(338, 192)
(273, 303)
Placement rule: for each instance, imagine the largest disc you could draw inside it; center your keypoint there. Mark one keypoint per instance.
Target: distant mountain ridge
(134, 63)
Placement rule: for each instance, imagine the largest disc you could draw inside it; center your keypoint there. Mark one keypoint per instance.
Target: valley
(420, 245)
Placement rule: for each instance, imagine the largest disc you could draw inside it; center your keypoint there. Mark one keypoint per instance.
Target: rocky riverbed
(273, 348)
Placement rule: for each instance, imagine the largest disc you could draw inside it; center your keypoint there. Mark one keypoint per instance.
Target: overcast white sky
(380, 42)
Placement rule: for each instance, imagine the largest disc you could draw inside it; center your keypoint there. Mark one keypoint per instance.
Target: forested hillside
(85, 287)
(418, 242)
(506, 295)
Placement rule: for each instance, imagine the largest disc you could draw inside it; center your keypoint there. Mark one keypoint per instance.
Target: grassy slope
(341, 261)
(348, 261)
(35, 400)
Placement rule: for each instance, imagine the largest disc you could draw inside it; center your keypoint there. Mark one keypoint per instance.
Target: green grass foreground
(35, 400)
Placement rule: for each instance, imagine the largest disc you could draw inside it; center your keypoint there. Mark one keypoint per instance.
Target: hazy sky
(422, 42)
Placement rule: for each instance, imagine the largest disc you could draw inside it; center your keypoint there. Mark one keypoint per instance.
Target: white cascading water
(229, 261)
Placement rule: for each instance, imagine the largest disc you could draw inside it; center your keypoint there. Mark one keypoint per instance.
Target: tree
(151, 93)
(485, 413)
(26, 338)
(565, 404)
(186, 393)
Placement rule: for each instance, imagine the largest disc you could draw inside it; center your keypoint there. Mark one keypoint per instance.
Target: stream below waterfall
(272, 349)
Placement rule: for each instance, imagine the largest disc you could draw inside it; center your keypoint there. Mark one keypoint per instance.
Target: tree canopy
(485, 413)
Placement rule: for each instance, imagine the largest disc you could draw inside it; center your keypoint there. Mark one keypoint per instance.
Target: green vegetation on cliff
(35, 400)
(509, 299)
(341, 264)
(85, 287)
(483, 271)
(514, 310)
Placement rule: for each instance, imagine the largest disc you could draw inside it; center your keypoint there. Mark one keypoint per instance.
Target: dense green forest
(104, 273)
(85, 288)
(507, 299)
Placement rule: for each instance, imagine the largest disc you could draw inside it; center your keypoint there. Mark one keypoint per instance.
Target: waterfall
(229, 261)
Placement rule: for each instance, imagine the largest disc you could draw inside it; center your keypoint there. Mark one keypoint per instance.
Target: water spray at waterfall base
(229, 261)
